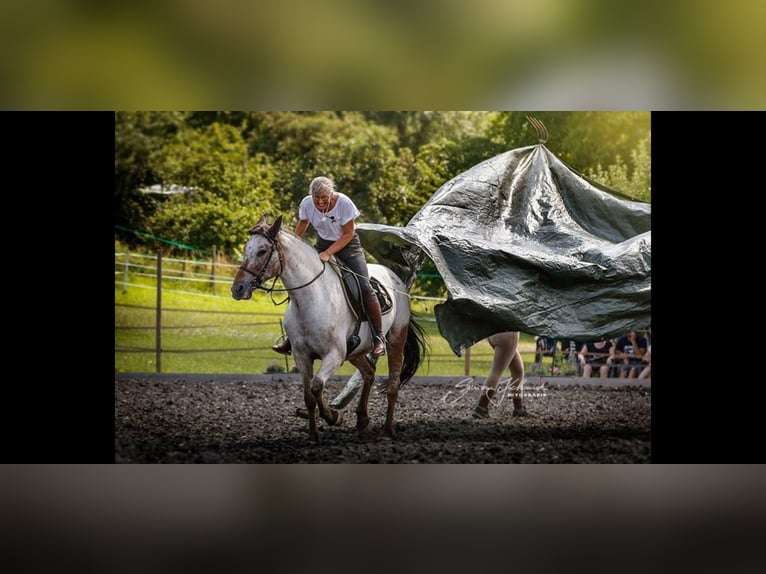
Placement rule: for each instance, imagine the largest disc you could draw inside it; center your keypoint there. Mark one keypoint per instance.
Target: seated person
(628, 353)
(544, 347)
(571, 349)
(596, 354)
(646, 373)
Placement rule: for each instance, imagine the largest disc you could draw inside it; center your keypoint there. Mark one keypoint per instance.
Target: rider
(332, 214)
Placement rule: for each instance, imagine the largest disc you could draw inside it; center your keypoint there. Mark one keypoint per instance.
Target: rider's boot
(284, 347)
(372, 307)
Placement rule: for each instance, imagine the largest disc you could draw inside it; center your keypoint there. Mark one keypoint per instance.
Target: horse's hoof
(304, 413)
(338, 418)
(521, 413)
(362, 423)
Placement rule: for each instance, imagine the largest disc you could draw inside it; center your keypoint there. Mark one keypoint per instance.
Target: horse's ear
(274, 229)
(255, 227)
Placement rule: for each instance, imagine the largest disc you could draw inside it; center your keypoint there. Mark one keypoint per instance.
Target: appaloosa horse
(321, 323)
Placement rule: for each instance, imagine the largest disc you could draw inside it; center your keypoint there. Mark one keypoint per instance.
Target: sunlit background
(382, 54)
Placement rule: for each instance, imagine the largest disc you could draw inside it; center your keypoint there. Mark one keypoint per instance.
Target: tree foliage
(240, 165)
(138, 137)
(227, 189)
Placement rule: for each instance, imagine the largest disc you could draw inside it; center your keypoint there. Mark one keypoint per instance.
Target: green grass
(200, 329)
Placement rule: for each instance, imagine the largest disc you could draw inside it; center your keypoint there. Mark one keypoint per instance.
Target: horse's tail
(416, 350)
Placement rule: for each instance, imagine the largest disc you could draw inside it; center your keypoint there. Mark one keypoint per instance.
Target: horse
(319, 321)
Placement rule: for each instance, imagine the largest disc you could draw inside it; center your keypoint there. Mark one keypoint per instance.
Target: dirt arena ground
(240, 419)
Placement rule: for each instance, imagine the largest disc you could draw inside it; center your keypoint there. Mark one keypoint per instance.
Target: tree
(139, 137)
(241, 165)
(227, 190)
(597, 143)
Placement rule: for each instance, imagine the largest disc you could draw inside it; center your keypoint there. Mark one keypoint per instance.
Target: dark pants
(351, 256)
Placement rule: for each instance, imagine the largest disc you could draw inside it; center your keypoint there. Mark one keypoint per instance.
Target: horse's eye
(261, 252)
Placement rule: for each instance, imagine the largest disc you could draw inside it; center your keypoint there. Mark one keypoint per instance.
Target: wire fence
(210, 279)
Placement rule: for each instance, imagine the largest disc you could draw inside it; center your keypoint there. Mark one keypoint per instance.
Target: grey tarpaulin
(525, 243)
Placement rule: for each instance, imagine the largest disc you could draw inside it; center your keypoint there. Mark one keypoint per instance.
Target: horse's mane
(263, 227)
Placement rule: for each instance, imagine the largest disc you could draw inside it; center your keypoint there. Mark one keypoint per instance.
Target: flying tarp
(525, 243)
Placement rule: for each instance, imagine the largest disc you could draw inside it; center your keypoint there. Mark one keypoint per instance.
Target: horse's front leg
(330, 363)
(311, 403)
(306, 371)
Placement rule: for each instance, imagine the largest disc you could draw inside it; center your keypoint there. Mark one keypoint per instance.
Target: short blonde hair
(320, 183)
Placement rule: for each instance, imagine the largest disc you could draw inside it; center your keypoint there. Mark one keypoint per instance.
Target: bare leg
(504, 346)
(517, 383)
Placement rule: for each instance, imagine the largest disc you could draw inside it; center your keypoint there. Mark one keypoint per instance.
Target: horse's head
(262, 260)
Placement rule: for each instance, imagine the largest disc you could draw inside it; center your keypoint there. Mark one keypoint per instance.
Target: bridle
(255, 283)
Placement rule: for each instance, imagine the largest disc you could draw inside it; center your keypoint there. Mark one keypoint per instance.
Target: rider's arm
(348, 234)
(301, 227)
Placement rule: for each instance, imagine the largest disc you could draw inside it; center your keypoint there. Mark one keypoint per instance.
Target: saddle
(352, 291)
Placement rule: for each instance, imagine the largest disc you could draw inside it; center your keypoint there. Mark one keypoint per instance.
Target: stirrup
(379, 347)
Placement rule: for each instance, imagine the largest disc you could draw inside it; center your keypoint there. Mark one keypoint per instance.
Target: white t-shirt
(328, 225)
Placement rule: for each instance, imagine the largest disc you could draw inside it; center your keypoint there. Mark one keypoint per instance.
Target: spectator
(596, 354)
(628, 353)
(646, 372)
(545, 347)
(571, 349)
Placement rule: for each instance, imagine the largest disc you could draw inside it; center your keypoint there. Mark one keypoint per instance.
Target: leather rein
(258, 277)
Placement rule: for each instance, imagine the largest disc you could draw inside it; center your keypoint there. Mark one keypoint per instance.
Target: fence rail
(200, 279)
(187, 277)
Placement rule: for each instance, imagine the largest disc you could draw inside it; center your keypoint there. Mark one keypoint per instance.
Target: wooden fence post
(468, 362)
(158, 316)
(125, 273)
(212, 268)
(282, 330)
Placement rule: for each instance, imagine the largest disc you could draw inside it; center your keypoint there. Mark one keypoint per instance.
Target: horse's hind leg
(395, 361)
(311, 403)
(367, 371)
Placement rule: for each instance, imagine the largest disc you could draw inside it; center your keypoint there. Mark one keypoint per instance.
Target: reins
(257, 276)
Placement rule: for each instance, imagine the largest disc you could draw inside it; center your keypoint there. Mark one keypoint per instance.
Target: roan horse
(319, 320)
